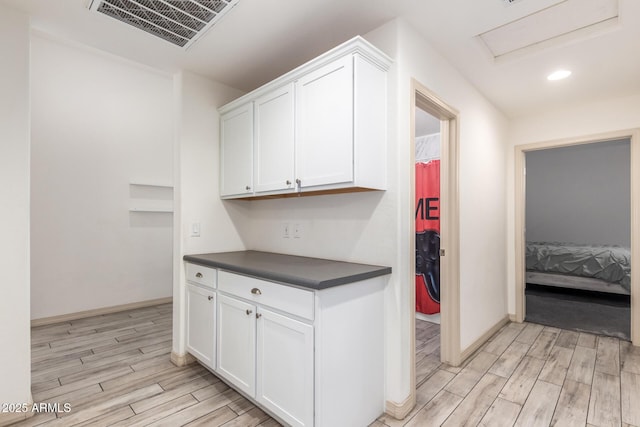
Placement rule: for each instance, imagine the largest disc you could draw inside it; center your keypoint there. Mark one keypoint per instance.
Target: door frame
(520, 198)
(450, 349)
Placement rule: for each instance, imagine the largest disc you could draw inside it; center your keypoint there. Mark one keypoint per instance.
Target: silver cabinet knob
(288, 182)
(249, 312)
(199, 275)
(299, 182)
(256, 291)
(258, 315)
(247, 188)
(210, 297)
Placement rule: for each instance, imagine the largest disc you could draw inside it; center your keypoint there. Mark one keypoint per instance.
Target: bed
(598, 268)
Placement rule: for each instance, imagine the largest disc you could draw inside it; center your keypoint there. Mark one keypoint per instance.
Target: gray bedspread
(609, 263)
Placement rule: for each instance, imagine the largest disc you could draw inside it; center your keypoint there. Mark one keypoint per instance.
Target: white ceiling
(261, 39)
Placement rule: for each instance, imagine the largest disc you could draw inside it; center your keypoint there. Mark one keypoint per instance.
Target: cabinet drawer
(298, 302)
(205, 276)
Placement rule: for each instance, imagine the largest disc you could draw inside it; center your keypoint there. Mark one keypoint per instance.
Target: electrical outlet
(286, 230)
(297, 231)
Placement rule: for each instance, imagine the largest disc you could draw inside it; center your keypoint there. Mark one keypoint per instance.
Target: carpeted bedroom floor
(594, 312)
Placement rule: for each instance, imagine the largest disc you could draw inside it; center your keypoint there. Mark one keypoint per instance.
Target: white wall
(375, 227)
(481, 168)
(607, 115)
(196, 160)
(15, 360)
(579, 194)
(98, 123)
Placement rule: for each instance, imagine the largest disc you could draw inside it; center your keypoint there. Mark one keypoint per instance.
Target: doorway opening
(435, 242)
(577, 233)
(589, 251)
(427, 251)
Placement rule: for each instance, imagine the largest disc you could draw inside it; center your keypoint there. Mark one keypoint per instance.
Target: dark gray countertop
(310, 273)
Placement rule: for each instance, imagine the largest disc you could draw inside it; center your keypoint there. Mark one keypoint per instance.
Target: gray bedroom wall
(579, 194)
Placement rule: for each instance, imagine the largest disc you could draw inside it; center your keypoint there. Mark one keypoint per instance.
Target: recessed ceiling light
(559, 75)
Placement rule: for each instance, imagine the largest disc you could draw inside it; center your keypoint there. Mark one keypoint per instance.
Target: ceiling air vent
(180, 22)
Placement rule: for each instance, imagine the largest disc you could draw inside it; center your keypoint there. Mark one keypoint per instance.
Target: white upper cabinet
(319, 128)
(236, 152)
(324, 132)
(273, 140)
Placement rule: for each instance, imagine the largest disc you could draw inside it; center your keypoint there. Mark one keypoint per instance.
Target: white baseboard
(182, 359)
(8, 418)
(433, 318)
(484, 338)
(99, 311)
(400, 410)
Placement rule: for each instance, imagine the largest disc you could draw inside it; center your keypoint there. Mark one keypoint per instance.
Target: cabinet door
(273, 144)
(285, 367)
(324, 119)
(236, 151)
(237, 343)
(201, 306)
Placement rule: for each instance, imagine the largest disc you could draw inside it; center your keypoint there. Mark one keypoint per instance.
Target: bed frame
(574, 282)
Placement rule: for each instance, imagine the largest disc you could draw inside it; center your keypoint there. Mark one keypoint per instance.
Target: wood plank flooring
(114, 370)
(527, 375)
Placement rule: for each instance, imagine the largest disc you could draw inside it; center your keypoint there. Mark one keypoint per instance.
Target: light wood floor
(115, 370)
(527, 375)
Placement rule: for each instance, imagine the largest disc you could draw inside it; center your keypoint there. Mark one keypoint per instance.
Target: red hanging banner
(428, 237)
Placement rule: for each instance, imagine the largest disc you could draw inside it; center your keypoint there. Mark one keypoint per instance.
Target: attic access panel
(180, 22)
(567, 20)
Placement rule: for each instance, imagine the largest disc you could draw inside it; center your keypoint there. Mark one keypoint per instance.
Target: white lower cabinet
(285, 367)
(267, 356)
(201, 323)
(310, 358)
(237, 343)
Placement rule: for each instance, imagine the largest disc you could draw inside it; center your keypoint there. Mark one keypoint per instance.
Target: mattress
(608, 263)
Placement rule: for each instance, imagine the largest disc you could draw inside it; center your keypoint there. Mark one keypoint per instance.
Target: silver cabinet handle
(247, 187)
(288, 182)
(199, 275)
(210, 297)
(299, 182)
(258, 315)
(256, 291)
(249, 312)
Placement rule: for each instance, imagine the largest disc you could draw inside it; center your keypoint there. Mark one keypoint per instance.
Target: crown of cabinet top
(355, 45)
